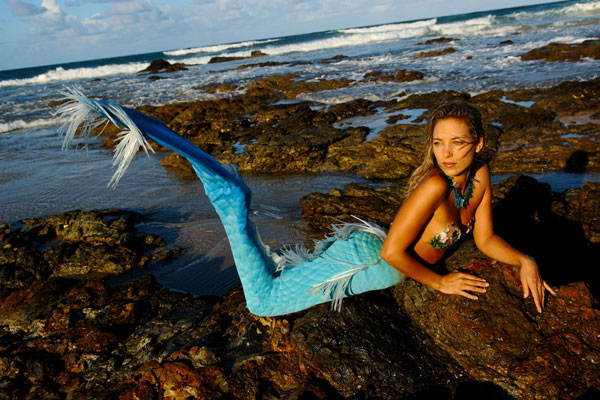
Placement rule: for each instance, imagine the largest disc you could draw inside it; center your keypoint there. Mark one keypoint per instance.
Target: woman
(352, 260)
(450, 194)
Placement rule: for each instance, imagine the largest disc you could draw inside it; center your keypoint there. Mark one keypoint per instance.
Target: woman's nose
(447, 150)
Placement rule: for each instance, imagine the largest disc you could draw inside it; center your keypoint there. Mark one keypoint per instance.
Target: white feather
(89, 113)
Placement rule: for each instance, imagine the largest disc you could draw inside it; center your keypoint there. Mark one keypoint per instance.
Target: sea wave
(216, 48)
(475, 26)
(61, 74)
(391, 27)
(341, 38)
(20, 124)
(577, 9)
(191, 60)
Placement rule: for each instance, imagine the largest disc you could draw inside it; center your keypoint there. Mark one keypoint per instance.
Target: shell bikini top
(449, 236)
(453, 233)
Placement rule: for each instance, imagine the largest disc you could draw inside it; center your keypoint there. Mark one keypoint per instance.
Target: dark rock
(501, 339)
(370, 350)
(438, 40)
(565, 52)
(334, 59)
(257, 53)
(221, 59)
(160, 65)
(356, 200)
(77, 244)
(400, 75)
(435, 53)
(506, 42)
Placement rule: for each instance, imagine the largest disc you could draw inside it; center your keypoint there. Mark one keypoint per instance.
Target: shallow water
(38, 179)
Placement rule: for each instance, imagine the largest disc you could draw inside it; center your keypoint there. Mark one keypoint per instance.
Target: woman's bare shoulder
(482, 171)
(433, 183)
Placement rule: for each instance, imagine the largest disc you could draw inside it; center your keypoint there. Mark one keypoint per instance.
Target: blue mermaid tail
(344, 264)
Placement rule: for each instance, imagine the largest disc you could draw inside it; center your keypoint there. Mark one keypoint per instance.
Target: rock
(557, 229)
(565, 52)
(334, 59)
(400, 75)
(438, 40)
(506, 42)
(356, 200)
(501, 339)
(160, 65)
(370, 350)
(77, 244)
(257, 53)
(89, 340)
(252, 127)
(221, 59)
(435, 53)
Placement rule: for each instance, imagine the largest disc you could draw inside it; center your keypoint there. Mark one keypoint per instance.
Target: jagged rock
(161, 65)
(435, 53)
(221, 59)
(77, 244)
(333, 59)
(356, 200)
(438, 40)
(400, 75)
(500, 338)
(565, 52)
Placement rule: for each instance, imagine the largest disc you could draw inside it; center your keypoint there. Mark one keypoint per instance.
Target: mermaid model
(344, 264)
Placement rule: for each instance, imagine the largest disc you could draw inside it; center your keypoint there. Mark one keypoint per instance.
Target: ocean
(37, 179)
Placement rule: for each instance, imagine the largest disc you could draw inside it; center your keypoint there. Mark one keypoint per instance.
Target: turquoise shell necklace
(461, 201)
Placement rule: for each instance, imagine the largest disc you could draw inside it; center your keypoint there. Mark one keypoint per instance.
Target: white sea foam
(216, 48)
(478, 26)
(20, 124)
(61, 74)
(191, 60)
(578, 9)
(391, 27)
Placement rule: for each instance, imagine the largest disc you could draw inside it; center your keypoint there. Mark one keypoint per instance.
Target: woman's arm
(413, 216)
(495, 247)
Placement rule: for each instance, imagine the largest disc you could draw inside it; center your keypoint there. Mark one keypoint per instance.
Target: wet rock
(439, 40)
(355, 201)
(400, 75)
(334, 59)
(86, 339)
(435, 53)
(565, 52)
(528, 129)
(20, 261)
(221, 59)
(370, 350)
(160, 65)
(501, 339)
(77, 244)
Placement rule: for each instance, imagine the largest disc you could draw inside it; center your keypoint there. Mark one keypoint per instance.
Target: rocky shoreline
(75, 336)
(67, 333)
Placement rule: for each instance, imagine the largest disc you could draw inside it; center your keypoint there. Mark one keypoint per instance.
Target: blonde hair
(457, 110)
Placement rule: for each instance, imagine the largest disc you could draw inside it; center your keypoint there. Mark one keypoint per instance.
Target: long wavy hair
(458, 110)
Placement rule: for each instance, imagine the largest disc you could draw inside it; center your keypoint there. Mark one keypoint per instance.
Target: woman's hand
(532, 283)
(461, 283)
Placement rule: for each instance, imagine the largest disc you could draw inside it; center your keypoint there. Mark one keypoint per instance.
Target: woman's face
(454, 147)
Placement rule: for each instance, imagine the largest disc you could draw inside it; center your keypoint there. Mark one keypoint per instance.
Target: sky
(34, 33)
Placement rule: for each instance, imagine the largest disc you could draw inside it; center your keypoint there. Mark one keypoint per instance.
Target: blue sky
(46, 32)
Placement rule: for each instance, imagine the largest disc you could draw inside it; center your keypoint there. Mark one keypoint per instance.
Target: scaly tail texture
(344, 264)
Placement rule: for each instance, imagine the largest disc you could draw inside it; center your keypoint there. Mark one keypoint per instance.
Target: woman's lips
(449, 165)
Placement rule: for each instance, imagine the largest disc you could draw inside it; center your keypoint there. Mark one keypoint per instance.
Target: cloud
(23, 9)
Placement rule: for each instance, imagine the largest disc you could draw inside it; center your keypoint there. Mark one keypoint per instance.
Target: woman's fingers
(468, 295)
(548, 288)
